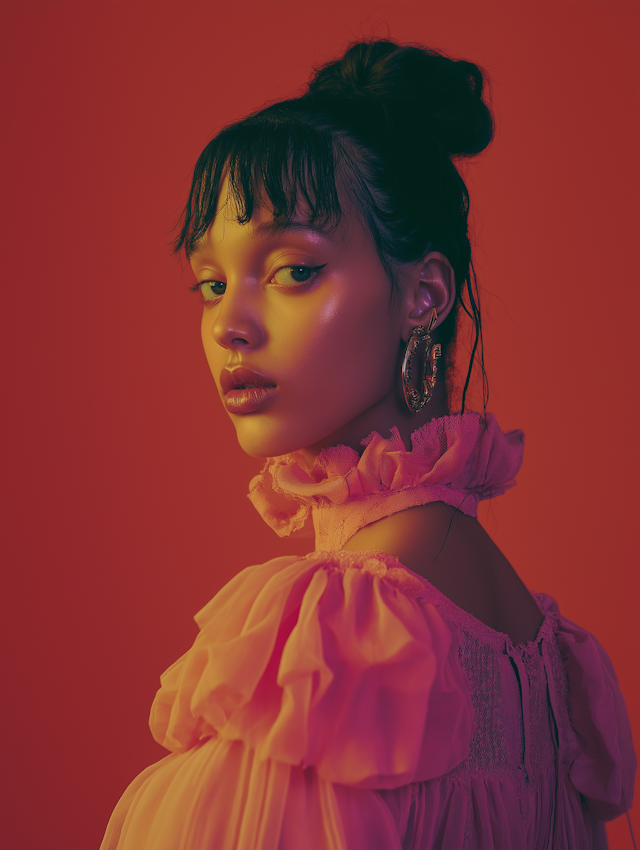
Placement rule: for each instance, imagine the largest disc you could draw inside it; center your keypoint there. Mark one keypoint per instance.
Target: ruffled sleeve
(603, 768)
(335, 662)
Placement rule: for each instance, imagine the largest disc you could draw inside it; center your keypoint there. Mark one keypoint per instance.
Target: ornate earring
(415, 401)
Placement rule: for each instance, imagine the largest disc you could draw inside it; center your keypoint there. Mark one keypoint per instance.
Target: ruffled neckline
(459, 460)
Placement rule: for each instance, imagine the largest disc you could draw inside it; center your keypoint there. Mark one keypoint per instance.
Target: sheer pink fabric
(340, 702)
(458, 460)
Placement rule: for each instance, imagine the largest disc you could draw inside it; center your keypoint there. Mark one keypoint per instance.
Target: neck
(382, 417)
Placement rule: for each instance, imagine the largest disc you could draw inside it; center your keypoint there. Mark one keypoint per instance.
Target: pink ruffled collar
(459, 460)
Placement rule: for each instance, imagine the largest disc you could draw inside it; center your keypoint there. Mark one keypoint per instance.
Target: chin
(258, 439)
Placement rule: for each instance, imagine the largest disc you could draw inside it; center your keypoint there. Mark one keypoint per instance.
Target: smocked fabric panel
(522, 743)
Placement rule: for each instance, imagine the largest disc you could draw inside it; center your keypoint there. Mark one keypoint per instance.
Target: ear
(431, 284)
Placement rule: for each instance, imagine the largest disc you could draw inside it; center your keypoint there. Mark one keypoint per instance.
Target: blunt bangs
(274, 158)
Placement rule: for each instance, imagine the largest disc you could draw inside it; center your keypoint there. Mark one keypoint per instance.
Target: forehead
(263, 226)
(262, 232)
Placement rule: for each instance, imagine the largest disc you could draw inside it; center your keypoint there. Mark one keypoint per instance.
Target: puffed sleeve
(604, 769)
(332, 662)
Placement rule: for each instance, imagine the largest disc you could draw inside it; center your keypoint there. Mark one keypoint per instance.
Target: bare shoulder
(455, 553)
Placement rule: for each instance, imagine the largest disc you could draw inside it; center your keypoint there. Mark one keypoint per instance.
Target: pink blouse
(338, 701)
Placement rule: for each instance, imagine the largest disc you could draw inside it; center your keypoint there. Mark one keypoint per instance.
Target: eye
(210, 290)
(295, 275)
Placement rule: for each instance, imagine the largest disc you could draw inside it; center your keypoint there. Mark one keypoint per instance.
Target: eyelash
(196, 287)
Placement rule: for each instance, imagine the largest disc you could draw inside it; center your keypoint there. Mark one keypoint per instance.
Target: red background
(125, 490)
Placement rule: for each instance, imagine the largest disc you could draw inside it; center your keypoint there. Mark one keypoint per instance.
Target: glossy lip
(240, 377)
(238, 398)
(247, 401)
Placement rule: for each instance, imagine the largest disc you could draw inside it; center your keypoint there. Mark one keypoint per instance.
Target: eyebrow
(273, 228)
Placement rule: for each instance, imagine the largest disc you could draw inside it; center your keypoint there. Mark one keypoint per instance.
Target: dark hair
(382, 124)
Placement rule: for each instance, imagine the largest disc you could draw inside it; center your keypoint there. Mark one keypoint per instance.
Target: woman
(399, 687)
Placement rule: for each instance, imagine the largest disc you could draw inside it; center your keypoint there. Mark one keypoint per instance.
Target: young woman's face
(299, 330)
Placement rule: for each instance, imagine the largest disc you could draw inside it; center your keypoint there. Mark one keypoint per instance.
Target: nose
(237, 323)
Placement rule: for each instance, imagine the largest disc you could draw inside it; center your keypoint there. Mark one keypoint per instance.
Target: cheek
(343, 341)
(215, 354)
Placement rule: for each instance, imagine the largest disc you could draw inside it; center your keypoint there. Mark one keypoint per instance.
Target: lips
(243, 378)
(245, 390)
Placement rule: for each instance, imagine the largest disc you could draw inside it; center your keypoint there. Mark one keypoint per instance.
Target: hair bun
(413, 88)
